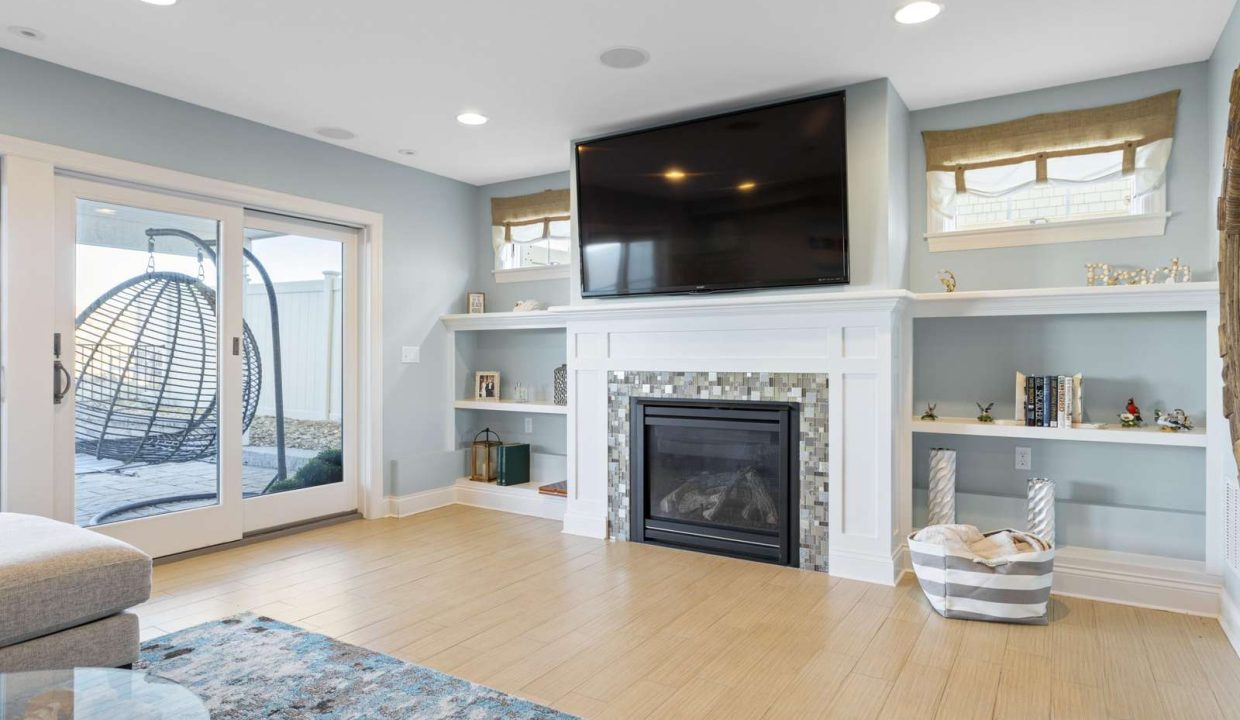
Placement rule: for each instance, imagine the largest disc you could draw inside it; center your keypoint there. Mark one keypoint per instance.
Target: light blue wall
(1188, 230)
(502, 296)
(429, 220)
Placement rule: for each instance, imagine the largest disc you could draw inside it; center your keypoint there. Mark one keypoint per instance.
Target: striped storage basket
(1017, 590)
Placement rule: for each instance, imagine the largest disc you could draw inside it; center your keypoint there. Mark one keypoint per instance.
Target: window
(531, 236)
(536, 246)
(1061, 177)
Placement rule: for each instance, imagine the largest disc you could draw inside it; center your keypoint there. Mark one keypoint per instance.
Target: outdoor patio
(102, 490)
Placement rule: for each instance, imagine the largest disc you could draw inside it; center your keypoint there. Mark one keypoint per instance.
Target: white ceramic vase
(942, 505)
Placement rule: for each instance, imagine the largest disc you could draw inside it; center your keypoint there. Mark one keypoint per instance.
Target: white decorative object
(529, 305)
(942, 505)
(1042, 508)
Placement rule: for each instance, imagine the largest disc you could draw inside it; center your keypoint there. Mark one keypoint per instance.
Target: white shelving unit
(1147, 435)
(545, 468)
(1143, 578)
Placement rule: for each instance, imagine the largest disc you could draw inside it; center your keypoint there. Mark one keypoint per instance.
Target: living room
(857, 360)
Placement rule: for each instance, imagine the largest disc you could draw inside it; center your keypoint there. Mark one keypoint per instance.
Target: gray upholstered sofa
(63, 596)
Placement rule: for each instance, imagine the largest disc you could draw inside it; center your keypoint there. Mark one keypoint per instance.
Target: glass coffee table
(95, 694)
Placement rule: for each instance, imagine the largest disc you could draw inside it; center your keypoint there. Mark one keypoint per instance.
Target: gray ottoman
(63, 596)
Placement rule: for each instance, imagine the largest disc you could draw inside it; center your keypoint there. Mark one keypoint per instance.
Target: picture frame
(477, 303)
(486, 385)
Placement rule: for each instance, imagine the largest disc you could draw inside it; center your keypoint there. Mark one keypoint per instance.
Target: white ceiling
(397, 72)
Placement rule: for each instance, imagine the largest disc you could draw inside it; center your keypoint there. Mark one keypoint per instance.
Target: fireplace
(716, 476)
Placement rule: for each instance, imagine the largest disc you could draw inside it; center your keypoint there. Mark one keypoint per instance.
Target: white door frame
(284, 508)
(27, 265)
(173, 532)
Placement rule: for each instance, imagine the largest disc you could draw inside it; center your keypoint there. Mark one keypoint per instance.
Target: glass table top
(95, 694)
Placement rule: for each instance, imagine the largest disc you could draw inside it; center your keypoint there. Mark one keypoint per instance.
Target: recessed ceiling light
(162, 3)
(471, 118)
(747, 186)
(28, 33)
(624, 58)
(406, 151)
(918, 12)
(674, 174)
(335, 133)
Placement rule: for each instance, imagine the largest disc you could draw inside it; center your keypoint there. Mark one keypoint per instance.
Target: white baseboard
(418, 502)
(592, 526)
(1229, 612)
(526, 501)
(883, 570)
(1138, 580)
(521, 500)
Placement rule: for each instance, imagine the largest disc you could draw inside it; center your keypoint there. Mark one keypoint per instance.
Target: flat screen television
(749, 199)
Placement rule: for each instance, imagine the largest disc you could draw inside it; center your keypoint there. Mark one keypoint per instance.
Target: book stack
(1049, 401)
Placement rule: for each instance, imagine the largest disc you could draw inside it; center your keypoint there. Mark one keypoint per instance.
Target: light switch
(529, 425)
(410, 354)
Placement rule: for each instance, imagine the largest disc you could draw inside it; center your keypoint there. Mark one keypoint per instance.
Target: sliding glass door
(147, 432)
(299, 302)
(204, 368)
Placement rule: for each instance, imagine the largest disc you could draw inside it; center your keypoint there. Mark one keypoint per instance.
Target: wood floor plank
(915, 694)
(971, 689)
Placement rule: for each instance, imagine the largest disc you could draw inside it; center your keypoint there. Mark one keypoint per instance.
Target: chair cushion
(55, 576)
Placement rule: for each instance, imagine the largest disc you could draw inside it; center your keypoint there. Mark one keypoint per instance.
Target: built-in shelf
(1174, 297)
(544, 408)
(531, 320)
(1147, 435)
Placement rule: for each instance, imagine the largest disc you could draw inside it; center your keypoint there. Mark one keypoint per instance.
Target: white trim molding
(1051, 233)
(420, 502)
(31, 155)
(528, 274)
(1138, 580)
(519, 500)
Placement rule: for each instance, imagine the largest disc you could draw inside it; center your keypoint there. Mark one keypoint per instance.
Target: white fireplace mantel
(857, 338)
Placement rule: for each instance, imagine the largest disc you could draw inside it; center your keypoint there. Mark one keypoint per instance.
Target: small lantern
(484, 457)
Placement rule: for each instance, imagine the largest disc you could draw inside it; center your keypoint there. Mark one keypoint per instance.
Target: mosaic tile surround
(807, 389)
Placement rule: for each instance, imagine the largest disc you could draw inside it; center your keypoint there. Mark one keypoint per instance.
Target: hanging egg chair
(147, 378)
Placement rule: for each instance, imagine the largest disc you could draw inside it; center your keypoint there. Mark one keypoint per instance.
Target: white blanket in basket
(1003, 576)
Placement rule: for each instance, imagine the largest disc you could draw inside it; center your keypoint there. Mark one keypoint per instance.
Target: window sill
(1113, 228)
(528, 274)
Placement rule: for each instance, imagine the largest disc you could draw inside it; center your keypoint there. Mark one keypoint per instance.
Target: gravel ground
(304, 434)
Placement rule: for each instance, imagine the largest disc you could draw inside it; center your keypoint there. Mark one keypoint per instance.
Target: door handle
(59, 372)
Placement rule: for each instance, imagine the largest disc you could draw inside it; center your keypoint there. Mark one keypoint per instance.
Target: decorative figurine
(929, 413)
(985, 416)
(1104, 274)
(529, 305)
(1175, 273)
(948, 278)
(1131, 417)
(1174, 421)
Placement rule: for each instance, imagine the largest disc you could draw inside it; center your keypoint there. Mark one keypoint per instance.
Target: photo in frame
(477, 303)
(486, 385)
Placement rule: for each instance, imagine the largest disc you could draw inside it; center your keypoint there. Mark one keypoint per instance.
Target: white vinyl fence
(310, 343)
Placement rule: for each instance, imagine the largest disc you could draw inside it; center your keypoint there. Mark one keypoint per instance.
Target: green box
(514, 464)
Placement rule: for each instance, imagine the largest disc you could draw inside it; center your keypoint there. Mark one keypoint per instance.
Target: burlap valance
(545, 207)
(1123, 127)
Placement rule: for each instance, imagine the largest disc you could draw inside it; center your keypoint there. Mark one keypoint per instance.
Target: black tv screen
(748, 199)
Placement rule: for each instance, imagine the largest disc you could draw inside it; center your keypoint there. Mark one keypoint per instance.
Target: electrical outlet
(410, 354)
(529, 425)
(1024, 458)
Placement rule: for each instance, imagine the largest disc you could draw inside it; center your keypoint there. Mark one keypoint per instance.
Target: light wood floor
(622, 630)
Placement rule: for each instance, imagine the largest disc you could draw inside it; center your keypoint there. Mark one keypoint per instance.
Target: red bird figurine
(1133, 410)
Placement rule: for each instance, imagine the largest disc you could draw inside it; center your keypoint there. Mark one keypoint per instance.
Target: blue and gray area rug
(248, 667)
